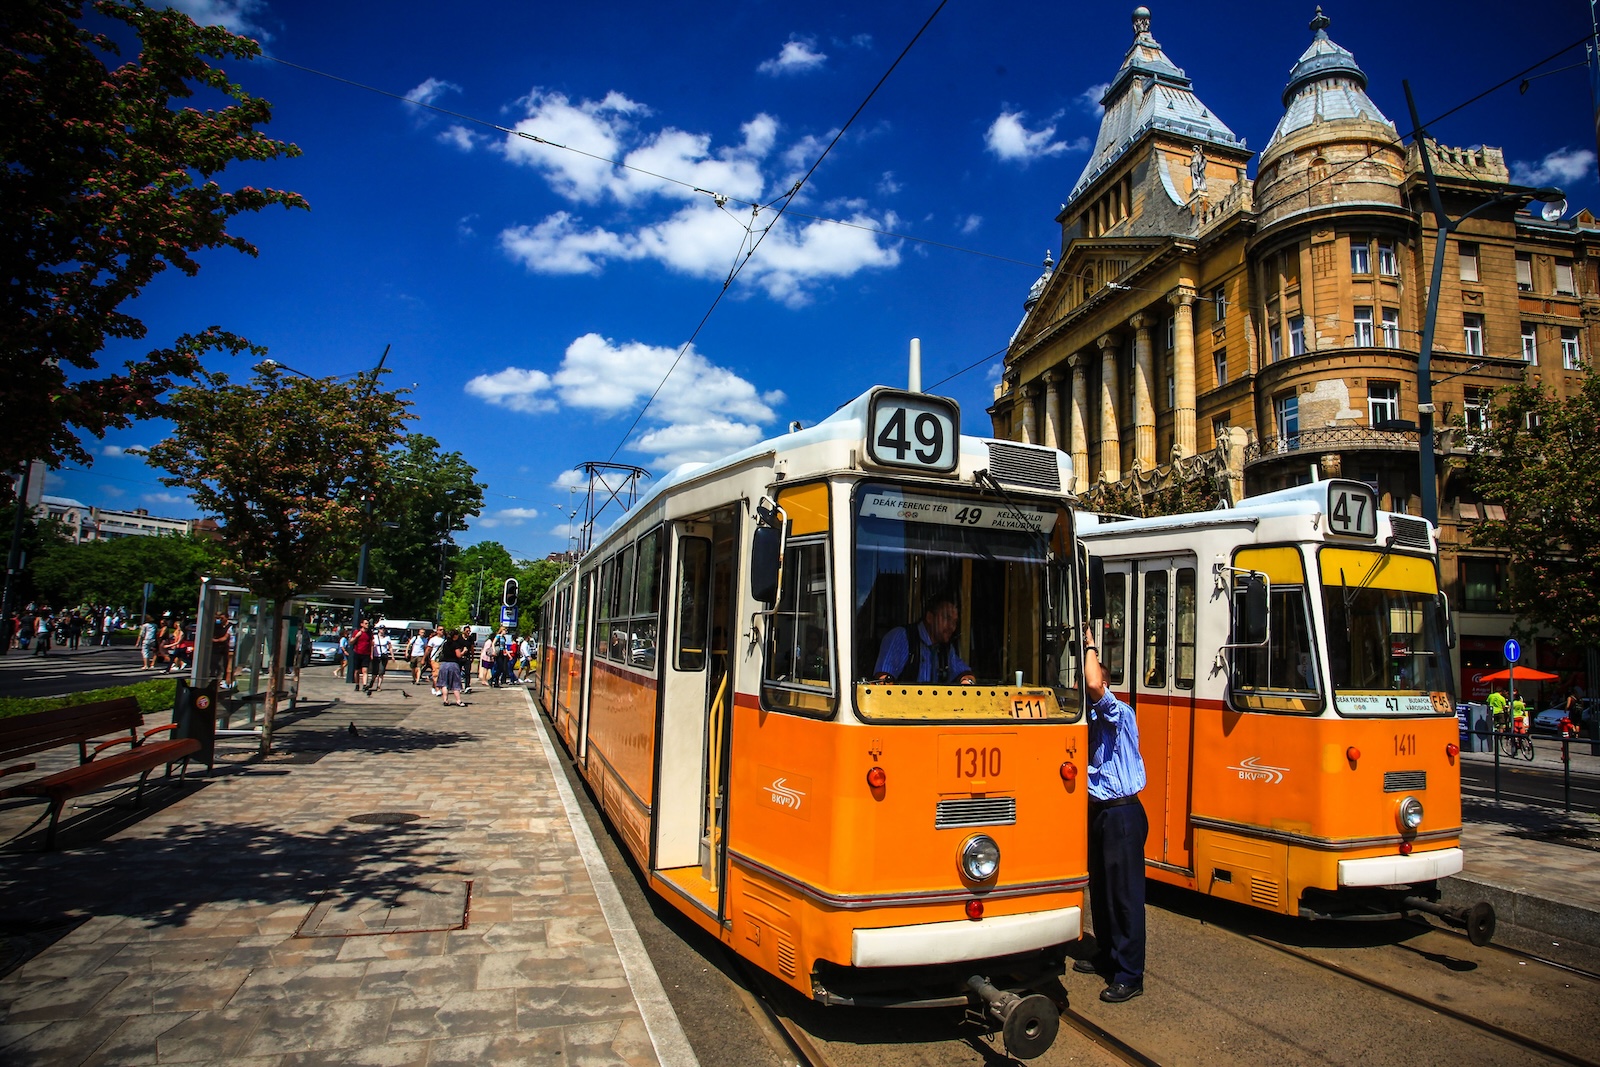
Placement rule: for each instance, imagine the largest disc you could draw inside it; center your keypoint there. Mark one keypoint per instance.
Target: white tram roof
(828, 445)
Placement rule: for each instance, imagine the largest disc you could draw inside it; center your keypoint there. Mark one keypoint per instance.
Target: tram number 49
(925, 427)
(973, 762)
(1405, 744)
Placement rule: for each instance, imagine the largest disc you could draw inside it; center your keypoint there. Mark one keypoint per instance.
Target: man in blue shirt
(1117, 831)
(932, 658)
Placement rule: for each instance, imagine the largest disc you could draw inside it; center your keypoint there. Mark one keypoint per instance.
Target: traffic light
(509, 597)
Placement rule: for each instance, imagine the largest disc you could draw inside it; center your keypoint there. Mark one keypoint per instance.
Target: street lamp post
(1556, 206)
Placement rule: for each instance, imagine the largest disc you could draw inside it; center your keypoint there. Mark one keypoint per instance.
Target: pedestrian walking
(147, 642)
(450, 679)
(41, 634)
(417, 654)
(361, 652)
(382, 649)
(1118, 827)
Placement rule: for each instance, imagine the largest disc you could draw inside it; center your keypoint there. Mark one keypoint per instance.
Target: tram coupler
(1477, 920)
(1028, 1024)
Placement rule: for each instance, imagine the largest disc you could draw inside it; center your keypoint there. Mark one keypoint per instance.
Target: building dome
(1326, 85)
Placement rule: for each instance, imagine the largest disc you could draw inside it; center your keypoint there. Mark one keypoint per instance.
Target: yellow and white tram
(1288, 660)
(711, 666)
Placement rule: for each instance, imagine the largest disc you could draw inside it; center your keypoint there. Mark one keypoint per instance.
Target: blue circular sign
(1513, 650)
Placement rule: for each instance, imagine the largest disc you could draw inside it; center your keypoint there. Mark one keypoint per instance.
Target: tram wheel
(1031, 1027)
(1480, 923)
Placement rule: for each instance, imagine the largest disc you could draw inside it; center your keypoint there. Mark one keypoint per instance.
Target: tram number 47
(1405, 744)
(973, 762)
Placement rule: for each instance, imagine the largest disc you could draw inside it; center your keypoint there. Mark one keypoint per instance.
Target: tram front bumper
(964, 939)
(1400, 870)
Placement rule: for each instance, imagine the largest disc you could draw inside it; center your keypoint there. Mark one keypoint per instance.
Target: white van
(402, 629)
(480, 634)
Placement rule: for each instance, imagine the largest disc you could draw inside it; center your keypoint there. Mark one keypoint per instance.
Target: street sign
(1513, 650)
(149, 590)
(508, 616)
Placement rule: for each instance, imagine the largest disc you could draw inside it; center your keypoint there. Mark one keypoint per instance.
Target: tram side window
(580, 629)
(621, 605)
(603, 610)
(1114, 633)
(646, 601)
(694, 592)
(1287, 664)
(1155, 630)
(1183, 671)
(800, 646)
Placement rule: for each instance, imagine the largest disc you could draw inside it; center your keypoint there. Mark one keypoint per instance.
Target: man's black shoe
(1117, 992)
(1086, 966)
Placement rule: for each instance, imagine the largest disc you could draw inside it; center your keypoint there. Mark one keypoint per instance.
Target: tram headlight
(1410, 813)
(980, 857)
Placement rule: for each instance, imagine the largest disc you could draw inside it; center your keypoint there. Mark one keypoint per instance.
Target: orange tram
(1288, 662)
(710, 665)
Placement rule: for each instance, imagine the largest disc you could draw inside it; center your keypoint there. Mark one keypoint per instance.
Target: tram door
(1161, 677)
(696, 709)
(578, 682)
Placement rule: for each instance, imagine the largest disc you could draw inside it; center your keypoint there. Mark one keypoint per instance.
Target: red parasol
(1524, 674)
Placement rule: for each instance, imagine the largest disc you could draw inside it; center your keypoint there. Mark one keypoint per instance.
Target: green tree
(284, 463)
(405, 554)
(1539, 458)
(114, 572)
(107, 183)
(479, 576)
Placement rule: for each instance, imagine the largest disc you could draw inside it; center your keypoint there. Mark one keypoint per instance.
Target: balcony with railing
(1333, 439)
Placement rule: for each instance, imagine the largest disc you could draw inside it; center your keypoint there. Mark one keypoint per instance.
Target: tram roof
(1307, 499)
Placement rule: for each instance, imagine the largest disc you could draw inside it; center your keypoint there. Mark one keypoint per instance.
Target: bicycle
(1514, 742)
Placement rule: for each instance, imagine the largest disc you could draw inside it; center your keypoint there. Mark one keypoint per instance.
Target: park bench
(82, 725)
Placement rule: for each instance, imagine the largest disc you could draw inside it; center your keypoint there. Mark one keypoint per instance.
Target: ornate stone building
(1277, 321)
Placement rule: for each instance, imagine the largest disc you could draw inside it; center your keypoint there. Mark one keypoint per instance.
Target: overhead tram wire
(786, 199)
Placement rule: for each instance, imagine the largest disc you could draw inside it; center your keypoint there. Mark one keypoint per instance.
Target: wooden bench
(82, 724)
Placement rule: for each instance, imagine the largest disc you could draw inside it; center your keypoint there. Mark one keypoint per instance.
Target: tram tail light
(1405, 848)
(1069, 771)
(974, 909)
(877, 778)
(1451, 749)
(1353, 754)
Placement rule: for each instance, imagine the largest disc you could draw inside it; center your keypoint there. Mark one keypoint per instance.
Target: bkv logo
(1251, 770)
(784, 795)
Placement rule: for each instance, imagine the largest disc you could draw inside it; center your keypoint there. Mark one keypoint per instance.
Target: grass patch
(154, 696)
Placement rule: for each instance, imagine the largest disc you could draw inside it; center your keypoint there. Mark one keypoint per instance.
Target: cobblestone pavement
(412, 891)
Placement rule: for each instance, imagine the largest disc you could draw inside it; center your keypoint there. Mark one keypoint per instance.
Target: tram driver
(930, 657)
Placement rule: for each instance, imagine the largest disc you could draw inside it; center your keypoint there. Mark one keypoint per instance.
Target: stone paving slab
(245, 918)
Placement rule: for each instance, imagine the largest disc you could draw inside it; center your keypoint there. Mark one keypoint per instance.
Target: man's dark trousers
(1116, 887)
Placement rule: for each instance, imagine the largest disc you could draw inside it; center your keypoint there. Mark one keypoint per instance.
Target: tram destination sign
(1383, 703)
(915, 430)
(943, 511)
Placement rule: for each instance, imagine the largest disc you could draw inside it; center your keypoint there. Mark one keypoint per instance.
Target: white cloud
(571, 478)
(595, 128)
(233, 15)
(507, 517)
(431, 90)
(971, 223)
(458, 136)
(167, 500)
(1561, 167)
(1013, 142)
(700, 411)
(1089, 99)
(798, 56)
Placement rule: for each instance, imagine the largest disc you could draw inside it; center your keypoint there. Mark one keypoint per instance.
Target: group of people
(1118, 826)
(445, 656)
(40, 629)
(164, 646)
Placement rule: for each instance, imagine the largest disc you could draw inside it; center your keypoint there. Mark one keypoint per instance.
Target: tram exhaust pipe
(1027, 1024)
(1477, 920)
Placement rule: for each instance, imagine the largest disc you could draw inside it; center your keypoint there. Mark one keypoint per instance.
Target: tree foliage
(106, 184)
(405, 555)
(1539, 458)
(480, 575)
(287, 465)
(114, 572)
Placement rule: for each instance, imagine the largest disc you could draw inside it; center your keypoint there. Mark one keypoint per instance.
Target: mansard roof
(1149, 92)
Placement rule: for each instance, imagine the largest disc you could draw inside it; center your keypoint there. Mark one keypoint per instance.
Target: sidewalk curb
(1518, 907)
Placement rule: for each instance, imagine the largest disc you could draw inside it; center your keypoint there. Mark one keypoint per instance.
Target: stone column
(1029, 425)
(1079, 432)
(1144, 397)
(1053, 436)
(1110, 434)
(1182, 301)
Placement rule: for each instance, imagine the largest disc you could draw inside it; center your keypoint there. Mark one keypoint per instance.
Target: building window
(1467, 256)
(1388, 262)
(1172, 388)
(1291, 268)
(1219, 303)
(1297, 336)
(1571, 354)
(1530, 343)
(1524, 272)
(1391, 327)
(1383, 402)
(1286, 411)
(1275, 335)
(1564, 282)
(1363, 338)
(1475, 404)
(1172, 332)
(1219, 427)
(1220, 359)
(1483, 584)
(1472, 331)
(1360, 256)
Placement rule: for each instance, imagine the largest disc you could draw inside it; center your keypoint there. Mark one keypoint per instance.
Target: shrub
(155, 696)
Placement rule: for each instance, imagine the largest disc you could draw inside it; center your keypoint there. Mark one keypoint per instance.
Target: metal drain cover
(385, 818)
(423, 907)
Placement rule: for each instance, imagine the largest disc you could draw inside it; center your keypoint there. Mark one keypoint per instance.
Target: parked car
(1549, 721)
(325, 651)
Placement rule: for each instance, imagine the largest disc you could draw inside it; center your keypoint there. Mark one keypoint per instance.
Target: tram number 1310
(975, 762)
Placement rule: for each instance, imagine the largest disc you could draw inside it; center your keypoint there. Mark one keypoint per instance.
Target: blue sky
(536, 296)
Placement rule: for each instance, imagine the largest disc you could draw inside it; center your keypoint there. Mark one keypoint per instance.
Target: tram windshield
(1387, 652)
(998, 569)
